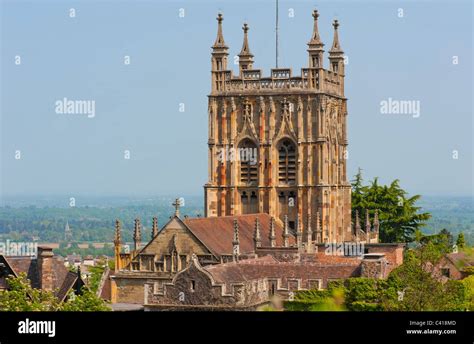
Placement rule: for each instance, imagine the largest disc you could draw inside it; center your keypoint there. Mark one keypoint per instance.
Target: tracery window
(287, 162)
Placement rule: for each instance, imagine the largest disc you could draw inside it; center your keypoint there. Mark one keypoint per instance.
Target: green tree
(362, 294)
(315, 300)
(21, 297)
(87, 301)
(416, 287)
(460, 242)
(469, 284)
(398, 214)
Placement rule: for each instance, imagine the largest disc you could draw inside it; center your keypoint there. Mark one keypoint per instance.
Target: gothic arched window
(248, 156)
(286, 162)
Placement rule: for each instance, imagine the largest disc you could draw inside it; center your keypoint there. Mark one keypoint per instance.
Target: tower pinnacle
(219, 43)
(315, 46)
(245, 56)
(315, 39)
(137, 235)
(336, 47)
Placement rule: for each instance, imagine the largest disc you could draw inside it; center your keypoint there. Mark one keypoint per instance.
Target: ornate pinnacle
(236, 233)
(299, 230)
(245, 56)
(367, 221)
(118, 235)
(137, 235)
(336, 47)
(357, 223)
(376, 221)
(219, 43)
(154, 231)
(272, 232)
(309, 230)
(286, 233)
(315, 39)
(236, 242)
(257, 238)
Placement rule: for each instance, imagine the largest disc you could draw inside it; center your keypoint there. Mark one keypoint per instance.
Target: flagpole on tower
(276, 36)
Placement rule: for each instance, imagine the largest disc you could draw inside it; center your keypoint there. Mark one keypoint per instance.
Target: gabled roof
(172, 218)
(27, 265)
(68, 283)
(63, 280)
(217, 233)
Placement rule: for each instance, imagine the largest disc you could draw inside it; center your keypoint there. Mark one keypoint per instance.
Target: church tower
(278, 143)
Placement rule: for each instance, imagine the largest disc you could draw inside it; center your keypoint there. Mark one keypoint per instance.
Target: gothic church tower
(277, 144)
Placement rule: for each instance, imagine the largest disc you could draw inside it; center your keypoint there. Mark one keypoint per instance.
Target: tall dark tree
(460, 242)
(398, 214)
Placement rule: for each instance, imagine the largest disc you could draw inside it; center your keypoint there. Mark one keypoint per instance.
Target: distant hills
(92, 219)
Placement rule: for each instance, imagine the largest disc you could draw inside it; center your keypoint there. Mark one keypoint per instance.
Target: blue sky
(137, 105)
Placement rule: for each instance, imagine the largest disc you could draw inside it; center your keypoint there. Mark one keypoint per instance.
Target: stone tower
(277, 144)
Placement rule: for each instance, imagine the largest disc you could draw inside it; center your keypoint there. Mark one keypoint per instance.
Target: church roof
(269, 267)
(216, 233)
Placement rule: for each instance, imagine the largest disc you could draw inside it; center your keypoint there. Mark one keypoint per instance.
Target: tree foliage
(413, 286)
(21, 297)
(398, 214)
(460, 241)
(87, 301)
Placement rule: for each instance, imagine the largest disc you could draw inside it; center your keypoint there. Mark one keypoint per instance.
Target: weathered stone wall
(374, 268)
(194, 287)
(130, 290)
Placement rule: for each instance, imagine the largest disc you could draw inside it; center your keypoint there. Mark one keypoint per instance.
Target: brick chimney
(45, 267)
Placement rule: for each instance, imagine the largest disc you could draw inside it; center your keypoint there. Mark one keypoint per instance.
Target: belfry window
(287, 163)
(247, 155)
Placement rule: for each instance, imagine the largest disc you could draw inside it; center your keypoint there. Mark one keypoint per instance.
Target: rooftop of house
(62, 279)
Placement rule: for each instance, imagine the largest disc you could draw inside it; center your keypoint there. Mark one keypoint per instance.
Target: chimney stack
(45, 267)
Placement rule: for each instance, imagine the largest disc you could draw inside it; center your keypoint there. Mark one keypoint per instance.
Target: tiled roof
(63, 279)
(27, 265)
(269, 267)
(217, 232)
(460, 258)
(105, 292)
(68, 283)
